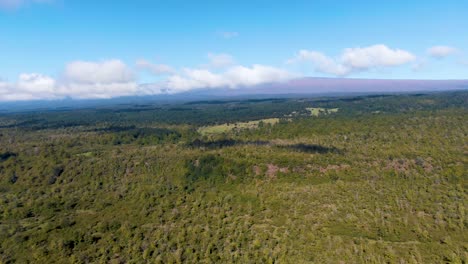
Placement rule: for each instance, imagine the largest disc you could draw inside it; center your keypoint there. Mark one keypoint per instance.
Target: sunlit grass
(316, 111)
(224, 128)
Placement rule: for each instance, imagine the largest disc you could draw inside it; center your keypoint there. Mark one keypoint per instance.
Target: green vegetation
(143, 184)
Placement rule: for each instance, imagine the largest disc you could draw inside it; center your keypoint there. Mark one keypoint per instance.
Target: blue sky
(85, 49)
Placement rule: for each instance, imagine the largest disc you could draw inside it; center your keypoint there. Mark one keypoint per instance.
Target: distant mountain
(291, 88)
(325, 86)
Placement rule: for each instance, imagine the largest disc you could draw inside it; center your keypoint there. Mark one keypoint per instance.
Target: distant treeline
(218, 111)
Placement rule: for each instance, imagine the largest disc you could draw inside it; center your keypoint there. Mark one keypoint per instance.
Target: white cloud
(236, 76)
(157, 69)
(80, 80)
(220, 60)
(33, 86)
(255, 75)
(440, 52)
(113, 78)
(355, 59)
(110, 71)
(105, 79)
(228, 34)
(29, 86)
(36, 83)
(321, 62)
(14, 4)
(5, 90)
(375, 56)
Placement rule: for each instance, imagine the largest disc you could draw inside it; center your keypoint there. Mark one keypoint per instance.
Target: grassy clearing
(224, 128)
(316, 111)
(85, 154)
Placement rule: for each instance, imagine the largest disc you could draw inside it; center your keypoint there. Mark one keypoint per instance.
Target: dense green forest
(378, 179)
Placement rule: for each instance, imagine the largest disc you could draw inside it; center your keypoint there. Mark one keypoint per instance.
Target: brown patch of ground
(272, 170)
(334, 167)
(399, 165)
(404, 165)
(257, 170)
(310, 167)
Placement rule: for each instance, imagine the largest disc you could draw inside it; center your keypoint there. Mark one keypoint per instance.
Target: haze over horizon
(55, 49)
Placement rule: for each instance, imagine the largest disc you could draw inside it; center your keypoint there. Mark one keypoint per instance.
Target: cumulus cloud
(375, 56)
(5, 90)
(105, 79)
(220, 60)
(81, 79)
(36, 83)
(440, 52)
(29, 86)
(355, 59)
(14, 4)
(235, 76)
(113, 78)
(321, 62)
(157, 69)
(110, 71)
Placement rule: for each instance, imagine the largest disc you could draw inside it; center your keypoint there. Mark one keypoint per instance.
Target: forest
(345, 179)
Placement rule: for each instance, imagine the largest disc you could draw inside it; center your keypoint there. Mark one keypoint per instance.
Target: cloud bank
(113, 78)
(354, 60)
(236, 76)
(111, 71)
(105, 79)
(80, 79)
(28, 87)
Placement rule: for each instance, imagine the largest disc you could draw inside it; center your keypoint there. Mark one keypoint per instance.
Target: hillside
(354, 179)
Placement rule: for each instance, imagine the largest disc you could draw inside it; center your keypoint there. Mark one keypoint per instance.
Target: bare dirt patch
(272, 170)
